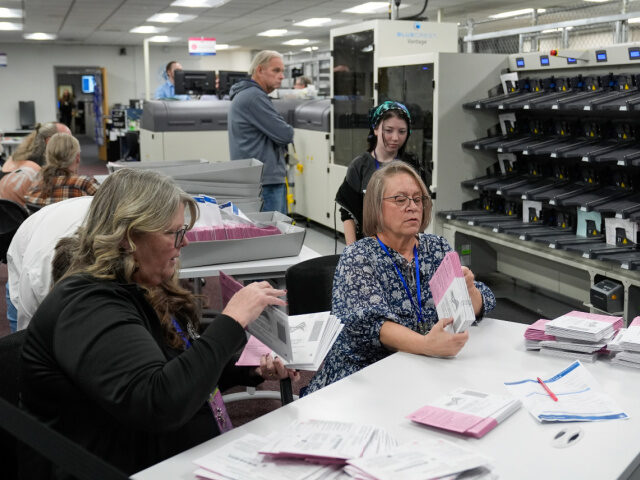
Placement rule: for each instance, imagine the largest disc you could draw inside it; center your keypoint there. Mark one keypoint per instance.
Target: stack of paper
(576, 335)
(312, 335)
(584, 326)
(327, 442)
(579, 397)
(302, 341)
(534, 334)
(424, 459)
(240, 460)
(450, 294)
(627, 344)
(468, 412)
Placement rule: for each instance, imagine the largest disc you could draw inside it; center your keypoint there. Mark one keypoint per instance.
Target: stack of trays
(237, 181)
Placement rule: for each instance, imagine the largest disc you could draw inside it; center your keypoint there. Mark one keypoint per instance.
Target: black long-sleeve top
(97, 369)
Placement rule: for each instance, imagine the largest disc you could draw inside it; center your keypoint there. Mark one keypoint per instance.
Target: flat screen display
(520, 62)
(571, 61)
(544, 60)
(601, 55)
(88, 83)
(634, 53)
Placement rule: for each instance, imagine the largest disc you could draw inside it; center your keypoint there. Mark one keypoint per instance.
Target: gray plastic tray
(288, 244)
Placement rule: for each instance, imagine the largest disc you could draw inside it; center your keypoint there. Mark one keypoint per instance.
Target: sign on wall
(3, 59)
(202, 46)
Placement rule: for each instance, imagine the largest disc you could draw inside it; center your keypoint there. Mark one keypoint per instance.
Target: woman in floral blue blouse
(379, 278)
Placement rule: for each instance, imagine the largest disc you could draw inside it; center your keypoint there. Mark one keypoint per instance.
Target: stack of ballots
(626, 345)
(330, 450)
(237, 181)
(579, 335)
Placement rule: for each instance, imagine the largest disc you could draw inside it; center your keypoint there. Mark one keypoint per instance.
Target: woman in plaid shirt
(59, 179)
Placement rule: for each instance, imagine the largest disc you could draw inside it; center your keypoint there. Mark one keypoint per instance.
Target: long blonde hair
(33, 146)
(60, 155)
(134, 201)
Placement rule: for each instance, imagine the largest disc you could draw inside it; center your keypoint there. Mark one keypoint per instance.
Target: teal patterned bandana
(375, 114)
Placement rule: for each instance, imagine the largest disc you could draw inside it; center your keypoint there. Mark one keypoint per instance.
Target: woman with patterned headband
(389, 130)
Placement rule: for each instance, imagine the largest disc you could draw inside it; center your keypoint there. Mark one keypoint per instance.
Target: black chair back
(309, 285)
(10, 353)
(12, 215)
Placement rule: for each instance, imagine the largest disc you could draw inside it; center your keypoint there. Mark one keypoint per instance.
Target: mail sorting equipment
(565, 176)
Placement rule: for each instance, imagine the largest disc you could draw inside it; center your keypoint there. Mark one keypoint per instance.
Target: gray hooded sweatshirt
(257, 130)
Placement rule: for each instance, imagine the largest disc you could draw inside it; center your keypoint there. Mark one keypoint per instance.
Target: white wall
(29, 72)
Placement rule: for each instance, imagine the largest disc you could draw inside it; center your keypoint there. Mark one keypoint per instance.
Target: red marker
(551, 394)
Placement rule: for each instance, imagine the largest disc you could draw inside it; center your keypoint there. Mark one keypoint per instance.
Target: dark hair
(168, 67)
(372, 138)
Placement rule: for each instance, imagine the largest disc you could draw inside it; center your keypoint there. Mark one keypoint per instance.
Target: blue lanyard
(417, 309)
(185, 338)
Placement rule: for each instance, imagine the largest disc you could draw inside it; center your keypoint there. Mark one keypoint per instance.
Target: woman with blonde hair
(381, 286)
(59, 179)
(115, 358)
(19, 172)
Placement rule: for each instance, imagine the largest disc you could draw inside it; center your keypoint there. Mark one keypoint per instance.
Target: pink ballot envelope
(450, 294)
(271, 327)
(253, 351)
(467, 412)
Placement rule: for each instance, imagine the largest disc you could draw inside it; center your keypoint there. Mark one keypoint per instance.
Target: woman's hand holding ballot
(474, 293)
(247, 304)
(442, 343)
(272, 368)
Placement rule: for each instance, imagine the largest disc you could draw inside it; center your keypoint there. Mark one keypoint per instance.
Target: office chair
(16, 425)
(12, 215)
(309, 288)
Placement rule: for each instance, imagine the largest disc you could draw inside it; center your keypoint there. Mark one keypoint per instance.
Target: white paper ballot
(579, 397)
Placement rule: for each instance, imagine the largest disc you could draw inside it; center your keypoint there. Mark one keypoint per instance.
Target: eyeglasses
(179, 235)
(403, 200)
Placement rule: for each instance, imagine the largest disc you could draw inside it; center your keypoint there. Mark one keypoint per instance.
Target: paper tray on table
(287, 244)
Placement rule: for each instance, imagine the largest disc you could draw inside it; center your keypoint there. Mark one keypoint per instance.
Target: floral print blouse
(367, 292)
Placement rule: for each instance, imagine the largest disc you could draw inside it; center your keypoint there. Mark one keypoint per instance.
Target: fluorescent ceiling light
(515, 13)
(313, 22)
(148, 29)
(596, 1)
(10, 13)
(369, 7)
(225, 46)
(39, 36)
(633, 20)
(10, 26)
(170, 17)
(309, 49)
(163, 39)
(296, 41)
(276, 32)
(199, 3)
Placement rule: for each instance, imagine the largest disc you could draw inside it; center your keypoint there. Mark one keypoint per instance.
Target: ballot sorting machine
(558, 202)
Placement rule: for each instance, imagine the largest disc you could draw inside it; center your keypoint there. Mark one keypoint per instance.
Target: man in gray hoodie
(257, 130)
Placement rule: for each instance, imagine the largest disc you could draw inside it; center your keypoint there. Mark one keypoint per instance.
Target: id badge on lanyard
(215, 401)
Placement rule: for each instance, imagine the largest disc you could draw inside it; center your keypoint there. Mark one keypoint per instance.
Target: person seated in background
(59, 179)
(114, 357)
(167, 91)
(381, 286)
(389, 130)
(20, 170)
(31, 251)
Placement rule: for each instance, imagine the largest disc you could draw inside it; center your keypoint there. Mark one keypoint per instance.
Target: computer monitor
(27, 111)
(228, 79)
(88, 83)
(195, 82)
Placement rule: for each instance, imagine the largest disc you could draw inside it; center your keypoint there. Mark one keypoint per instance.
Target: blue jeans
(12, 313)
(274, 198)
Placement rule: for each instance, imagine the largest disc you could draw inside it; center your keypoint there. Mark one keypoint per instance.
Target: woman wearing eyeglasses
(389, 130)
(381, 286)
(114, 358)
